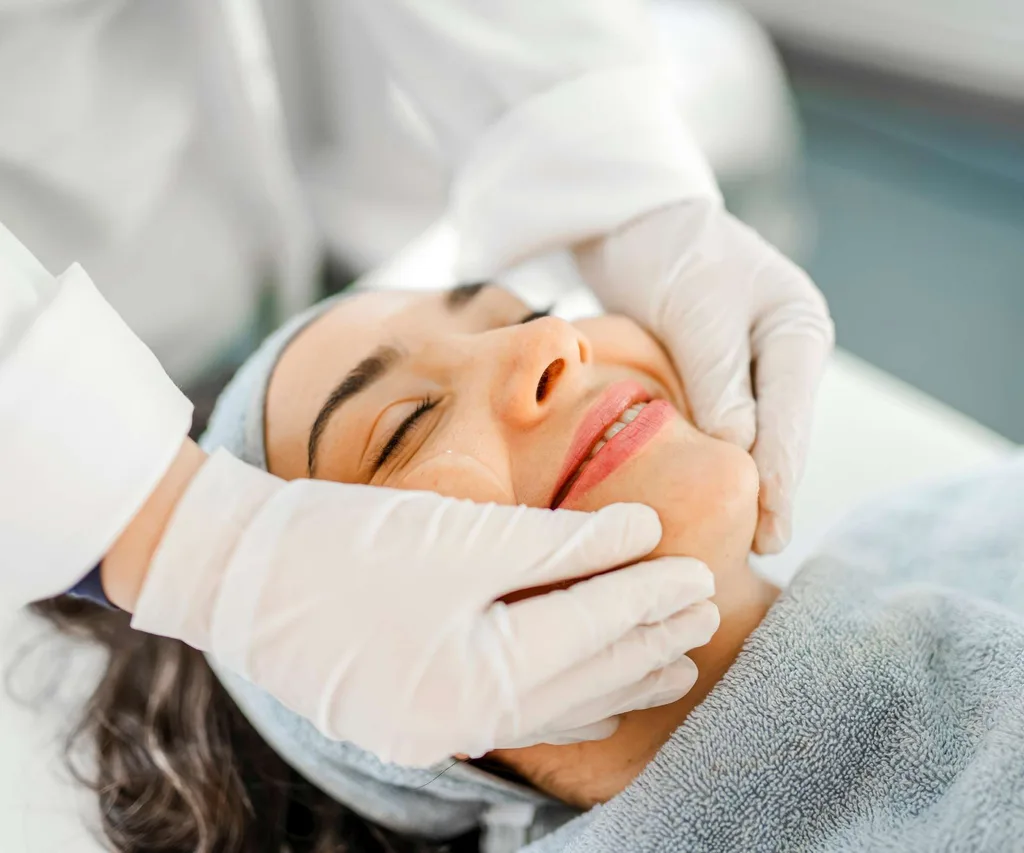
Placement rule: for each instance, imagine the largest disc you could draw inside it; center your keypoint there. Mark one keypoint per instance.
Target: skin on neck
(743, 600)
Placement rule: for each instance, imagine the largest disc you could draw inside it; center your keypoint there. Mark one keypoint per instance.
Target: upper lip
(606, 410)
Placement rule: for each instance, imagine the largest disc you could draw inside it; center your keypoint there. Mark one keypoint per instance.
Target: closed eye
(536, 315)
(400, 435)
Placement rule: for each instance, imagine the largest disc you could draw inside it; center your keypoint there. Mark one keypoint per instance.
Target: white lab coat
(150, 135)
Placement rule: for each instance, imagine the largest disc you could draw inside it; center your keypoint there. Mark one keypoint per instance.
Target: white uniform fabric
(90, 422)
(89, 419)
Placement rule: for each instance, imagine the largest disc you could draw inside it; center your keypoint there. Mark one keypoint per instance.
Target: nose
(534, 364)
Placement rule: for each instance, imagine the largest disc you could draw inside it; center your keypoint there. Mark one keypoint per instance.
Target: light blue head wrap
(437, 802)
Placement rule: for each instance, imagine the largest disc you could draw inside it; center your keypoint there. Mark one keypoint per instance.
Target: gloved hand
(748, 331)
(375, 613)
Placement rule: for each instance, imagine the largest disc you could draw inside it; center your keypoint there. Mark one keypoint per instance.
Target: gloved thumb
(714, 365)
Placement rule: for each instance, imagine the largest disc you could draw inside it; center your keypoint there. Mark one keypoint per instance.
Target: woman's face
(467, 394)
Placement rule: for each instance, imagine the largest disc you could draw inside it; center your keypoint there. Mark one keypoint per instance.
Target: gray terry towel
(879, 706)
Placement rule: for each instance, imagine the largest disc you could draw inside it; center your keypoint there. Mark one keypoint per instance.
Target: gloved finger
(710, 343)
(556, 631)
(791, 353)
(662, 687)
(560, 735)
(713, 360)
(566, 545)
(600, 730)
(616, 679)
(599, 718)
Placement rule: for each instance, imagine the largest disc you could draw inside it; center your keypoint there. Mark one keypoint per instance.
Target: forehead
(333, 344)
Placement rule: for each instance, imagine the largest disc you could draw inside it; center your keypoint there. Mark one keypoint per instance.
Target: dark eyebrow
(358, 379)
(458, 296)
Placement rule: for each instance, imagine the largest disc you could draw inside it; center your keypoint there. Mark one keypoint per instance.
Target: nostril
(550, 374)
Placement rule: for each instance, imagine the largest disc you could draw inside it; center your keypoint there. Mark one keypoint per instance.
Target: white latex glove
(748, 331)
(374, 612)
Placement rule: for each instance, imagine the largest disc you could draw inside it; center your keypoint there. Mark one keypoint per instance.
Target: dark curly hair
(180, 770)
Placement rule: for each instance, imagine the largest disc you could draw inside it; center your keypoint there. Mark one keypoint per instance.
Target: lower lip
(624, 445)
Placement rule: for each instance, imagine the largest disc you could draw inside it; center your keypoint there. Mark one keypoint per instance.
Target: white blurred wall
(970, 44)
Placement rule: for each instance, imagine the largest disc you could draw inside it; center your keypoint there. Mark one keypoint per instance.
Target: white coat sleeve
(89, 424)
(558, 119)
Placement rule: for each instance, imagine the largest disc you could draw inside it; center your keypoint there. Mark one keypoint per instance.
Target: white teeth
(627, 417)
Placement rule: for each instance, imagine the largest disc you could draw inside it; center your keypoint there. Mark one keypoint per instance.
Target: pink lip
(612, 403)
(624, 445)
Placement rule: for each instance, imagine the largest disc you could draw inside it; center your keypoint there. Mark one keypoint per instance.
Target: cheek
(709, 509)
(619, 341)
(459, 475)
(704, 490)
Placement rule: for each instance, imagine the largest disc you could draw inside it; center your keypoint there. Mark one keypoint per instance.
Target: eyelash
(537, 315)
(399, 436)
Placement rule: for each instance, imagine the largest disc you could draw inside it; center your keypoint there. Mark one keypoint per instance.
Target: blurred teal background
(917, 202)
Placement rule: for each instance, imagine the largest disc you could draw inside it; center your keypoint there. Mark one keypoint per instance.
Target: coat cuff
(90, 424)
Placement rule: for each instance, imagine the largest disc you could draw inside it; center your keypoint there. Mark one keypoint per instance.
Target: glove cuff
(184, 579)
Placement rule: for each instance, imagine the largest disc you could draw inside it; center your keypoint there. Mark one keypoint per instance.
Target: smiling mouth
(613, 429)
